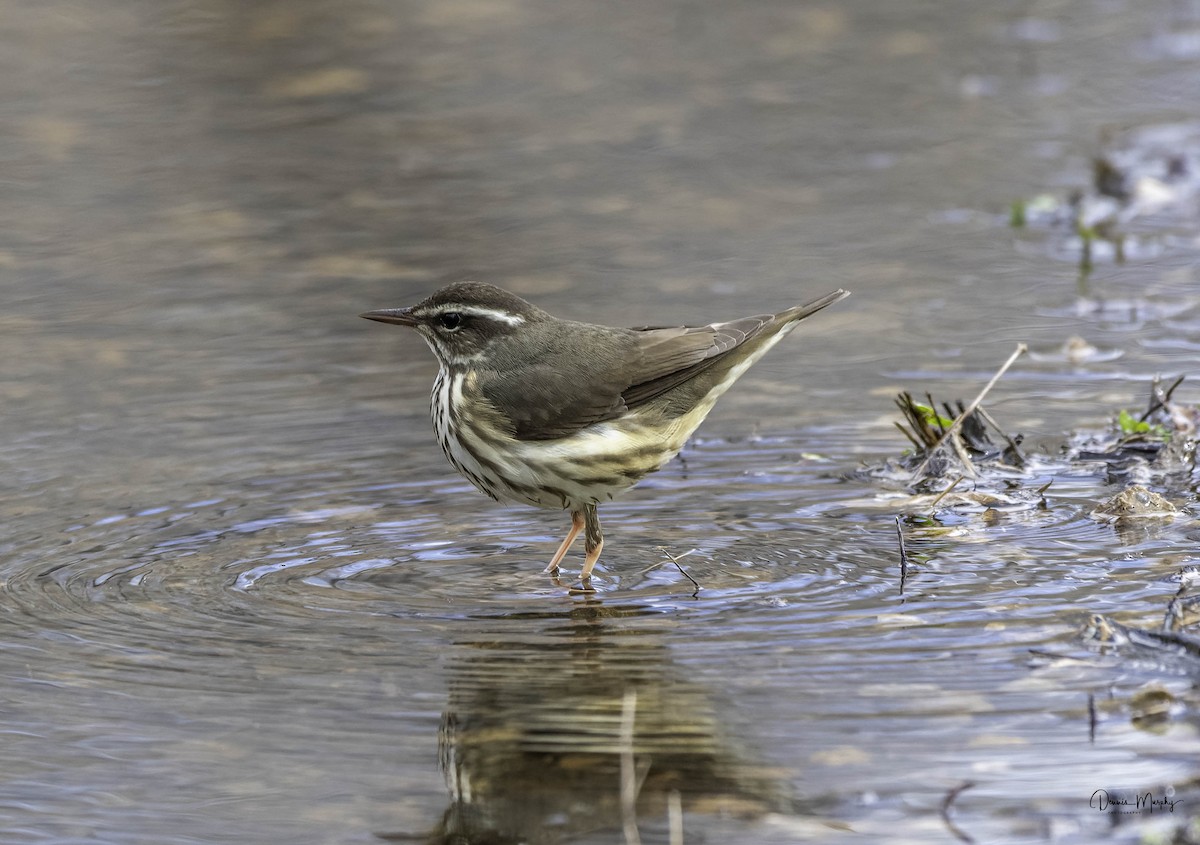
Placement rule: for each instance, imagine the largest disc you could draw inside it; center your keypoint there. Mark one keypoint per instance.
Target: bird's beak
(397, 316)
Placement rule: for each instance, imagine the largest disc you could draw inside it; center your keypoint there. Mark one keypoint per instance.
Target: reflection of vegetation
(1137, 175)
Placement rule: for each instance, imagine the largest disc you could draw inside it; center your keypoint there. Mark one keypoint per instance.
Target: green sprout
(1131, 426)
(932, 417)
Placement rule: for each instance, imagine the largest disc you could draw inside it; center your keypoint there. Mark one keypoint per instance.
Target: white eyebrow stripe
(478, 311)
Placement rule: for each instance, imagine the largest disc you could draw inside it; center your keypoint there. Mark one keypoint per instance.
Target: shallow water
(244, 599)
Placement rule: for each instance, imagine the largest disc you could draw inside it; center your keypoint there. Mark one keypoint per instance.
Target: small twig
(1171, 389)
(905, 432)
(1012, 444)
(953, 794)
(1054, 655)
(1159, 398)
(675, 560)
(1041, 491)
(903, 554)
(950, 413)
(943, 494)
(1172, 614)
(963, 457)
(629, 780)
(922, 431)
(1020, 350)
(937, 418)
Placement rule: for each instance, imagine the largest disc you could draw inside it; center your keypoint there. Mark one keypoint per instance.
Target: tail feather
(799, 312)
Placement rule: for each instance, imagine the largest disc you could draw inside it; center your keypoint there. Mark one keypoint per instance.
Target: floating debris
(1077, 352)
(1135, 502)
(1178, 644)
(959, 478)
(1156, 447)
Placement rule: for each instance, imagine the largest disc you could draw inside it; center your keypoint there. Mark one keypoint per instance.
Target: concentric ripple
(758, 522)
(800, 618)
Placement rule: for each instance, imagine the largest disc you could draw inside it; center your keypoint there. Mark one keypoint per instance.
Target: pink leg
(593, 555)
(576, 527)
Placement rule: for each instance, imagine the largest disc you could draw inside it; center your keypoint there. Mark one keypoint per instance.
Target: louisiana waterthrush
(560, 414)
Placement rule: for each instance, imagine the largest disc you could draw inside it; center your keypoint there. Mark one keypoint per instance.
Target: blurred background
(242, 593)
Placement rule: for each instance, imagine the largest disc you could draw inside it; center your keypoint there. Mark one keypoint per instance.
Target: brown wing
(586, 375)
(583, 374)
(671, 356)
(559, 377)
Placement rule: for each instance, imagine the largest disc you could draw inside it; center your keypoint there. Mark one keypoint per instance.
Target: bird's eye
(451, 321)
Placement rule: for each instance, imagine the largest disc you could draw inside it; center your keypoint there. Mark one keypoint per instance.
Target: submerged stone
(1135, 502)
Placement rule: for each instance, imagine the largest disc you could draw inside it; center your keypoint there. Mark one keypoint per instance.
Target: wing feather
(584, 374)
(675, 355)
(574, 381)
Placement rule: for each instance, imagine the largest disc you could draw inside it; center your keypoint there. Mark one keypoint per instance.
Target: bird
(555, 413)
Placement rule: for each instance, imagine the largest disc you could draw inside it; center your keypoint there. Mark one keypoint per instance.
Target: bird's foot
(584, 588)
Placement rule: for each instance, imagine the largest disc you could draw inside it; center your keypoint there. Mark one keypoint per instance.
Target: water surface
(244, 599)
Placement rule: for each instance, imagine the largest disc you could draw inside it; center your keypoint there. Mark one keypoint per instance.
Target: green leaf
(932, 417)
(1130, 425)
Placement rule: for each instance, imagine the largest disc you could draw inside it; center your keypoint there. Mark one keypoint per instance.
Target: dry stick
(1174, 618)
(1020, 350)
(943, 494)
(903, 553)
(946, 802)
(900, 532)
(1173, 613)
(629, 784)
(1041, 491)
(675, 560)
(937, 418)
(963, 457)
(911, 439)
(906, 404)
(1159, 398)
(1171, 389)
(1012, 444)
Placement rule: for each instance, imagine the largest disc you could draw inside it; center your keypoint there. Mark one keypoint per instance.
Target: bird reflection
(548, 723)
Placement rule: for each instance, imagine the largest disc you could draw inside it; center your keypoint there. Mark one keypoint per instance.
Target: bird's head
(461, 321)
